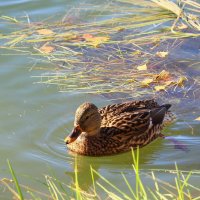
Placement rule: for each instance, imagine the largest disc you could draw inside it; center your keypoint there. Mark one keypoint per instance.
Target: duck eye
(86, 117)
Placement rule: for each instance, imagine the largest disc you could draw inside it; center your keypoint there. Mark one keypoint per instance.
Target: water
(35, 119)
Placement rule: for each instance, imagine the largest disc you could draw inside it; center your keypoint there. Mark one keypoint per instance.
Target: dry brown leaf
(162, 54)
(198, 119)
(46, 49)
(45, 31)
(147, 81)
(142, 67)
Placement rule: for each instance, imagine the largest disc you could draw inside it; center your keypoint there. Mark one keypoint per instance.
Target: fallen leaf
(162, 54)
(164, 75)
(96, 41)
(181, 81)
(147, 81)
(46, 49)
(120, 29)
(137, 52)
(160, 87)
(87, 35)
(142, 67)
(45, 31)
(198, 119)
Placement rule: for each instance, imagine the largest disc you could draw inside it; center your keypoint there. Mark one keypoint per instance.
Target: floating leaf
(164, 75)
(162, 54)
(96, 41)
(137, 52)
(147, 81)
(46, 49)
(120, 29)
(45, 31)
(160, 87)
(87, 35)
(142, 67)
(181, 81)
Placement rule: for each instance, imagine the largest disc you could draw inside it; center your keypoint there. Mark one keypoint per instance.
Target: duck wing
(128, 107)
(128, 123)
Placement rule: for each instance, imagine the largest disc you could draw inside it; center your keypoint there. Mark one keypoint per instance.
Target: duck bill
(73, 135)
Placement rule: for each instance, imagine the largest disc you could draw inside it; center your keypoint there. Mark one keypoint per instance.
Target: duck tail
(158, 114)
(167, 106)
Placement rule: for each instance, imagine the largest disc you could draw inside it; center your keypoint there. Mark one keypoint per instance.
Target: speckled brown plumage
(122, 127)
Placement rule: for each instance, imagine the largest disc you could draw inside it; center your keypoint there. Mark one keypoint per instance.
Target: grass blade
(15, 180)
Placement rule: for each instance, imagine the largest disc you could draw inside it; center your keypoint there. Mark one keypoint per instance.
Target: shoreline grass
(55, 189)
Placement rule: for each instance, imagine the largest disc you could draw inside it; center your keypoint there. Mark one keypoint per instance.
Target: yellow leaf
(164, 75)
(121, 29)
(142, 67)
(181, 81)
(96, 41)
(147, 81)
(160, 87)
(46, 49)
(198, 119)
(137, 52)
(45, 31)
(162, 54)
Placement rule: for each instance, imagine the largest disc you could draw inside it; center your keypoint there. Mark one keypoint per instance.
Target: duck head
(87, 119)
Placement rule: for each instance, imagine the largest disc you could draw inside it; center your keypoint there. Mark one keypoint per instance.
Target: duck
(117, 128)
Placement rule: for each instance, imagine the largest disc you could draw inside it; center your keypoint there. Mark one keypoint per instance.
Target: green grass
(19, 192)
(181, 189)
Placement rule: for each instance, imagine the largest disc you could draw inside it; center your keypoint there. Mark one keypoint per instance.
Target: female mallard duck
(117, 128)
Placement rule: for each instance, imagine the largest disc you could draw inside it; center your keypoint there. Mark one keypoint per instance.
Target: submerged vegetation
(161, 190)
(134, 45)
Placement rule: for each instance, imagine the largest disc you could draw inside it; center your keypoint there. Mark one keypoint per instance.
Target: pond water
(35, 118)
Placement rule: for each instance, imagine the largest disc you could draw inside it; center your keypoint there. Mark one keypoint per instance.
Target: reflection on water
(36, 118)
